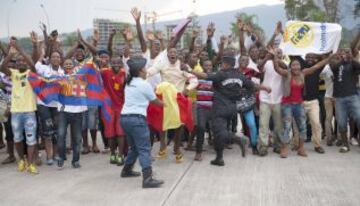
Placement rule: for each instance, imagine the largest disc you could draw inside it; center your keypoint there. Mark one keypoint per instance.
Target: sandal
(95, 149)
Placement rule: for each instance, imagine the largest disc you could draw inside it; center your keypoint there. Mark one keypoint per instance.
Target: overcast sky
(23, 16)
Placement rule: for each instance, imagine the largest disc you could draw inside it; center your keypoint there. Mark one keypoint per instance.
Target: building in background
(105, 26)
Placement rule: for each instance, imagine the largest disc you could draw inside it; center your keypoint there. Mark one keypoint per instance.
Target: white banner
(302, 37)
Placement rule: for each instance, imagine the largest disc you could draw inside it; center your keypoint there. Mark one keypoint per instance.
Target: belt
(133, 115)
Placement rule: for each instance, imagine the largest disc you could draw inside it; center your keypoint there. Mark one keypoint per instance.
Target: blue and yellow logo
(299, 34)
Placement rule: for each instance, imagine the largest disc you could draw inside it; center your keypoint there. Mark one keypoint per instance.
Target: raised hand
(278, 28)
(159, 35)
(210, 29)
(271, 51)
(127, 33)
(223, 39)
(230, 38)
(96, 35)
(34, 37)
(240, 24)
(80, 38)
(150, 35)
(195, 33)
(248, 27)
(113, 32)
(136, 14)
(42, 26)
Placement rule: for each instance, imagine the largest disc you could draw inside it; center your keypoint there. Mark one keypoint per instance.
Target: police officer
(228, 85)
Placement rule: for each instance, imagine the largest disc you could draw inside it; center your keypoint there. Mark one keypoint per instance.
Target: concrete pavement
(328, 179)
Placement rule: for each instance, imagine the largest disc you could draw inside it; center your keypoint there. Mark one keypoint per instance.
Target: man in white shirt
(270, 104)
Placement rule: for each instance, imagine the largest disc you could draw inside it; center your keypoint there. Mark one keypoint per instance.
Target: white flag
(302, 37)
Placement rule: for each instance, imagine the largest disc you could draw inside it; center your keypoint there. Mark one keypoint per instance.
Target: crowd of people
(282, 101)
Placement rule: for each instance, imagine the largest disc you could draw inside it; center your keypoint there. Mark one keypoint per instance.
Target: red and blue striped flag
(84, 87)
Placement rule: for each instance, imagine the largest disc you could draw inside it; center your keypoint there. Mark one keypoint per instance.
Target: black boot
(127, 171)
(255, 150)
(218, 161)
(241, 141)
(149, 181)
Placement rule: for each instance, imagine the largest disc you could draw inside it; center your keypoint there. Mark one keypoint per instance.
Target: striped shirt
(7, 82)
(204, 97)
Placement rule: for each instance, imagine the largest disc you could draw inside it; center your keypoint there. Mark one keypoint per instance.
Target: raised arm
(72, 50)
(91, 48)
(159, 36)
(355, 42)
(219, 55)
(3, 68)
(278, 30)
(128, 36)
(241, 37)
(3, 49)
(177, 37)
(110, 42)
(137, 16)
(193, 39)
(46, 39)
(35, 52)
(95, 38)
(317, 66)
(278, 66)
(27, 58)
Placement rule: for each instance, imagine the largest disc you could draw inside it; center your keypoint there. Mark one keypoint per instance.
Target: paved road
(329, 179)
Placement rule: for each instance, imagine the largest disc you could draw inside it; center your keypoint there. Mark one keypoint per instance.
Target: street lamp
(46, 15)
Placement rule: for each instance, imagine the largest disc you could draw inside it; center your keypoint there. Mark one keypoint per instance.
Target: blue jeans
(345, 107)
(75, 120)
(290, 111)
(90, 118)
(21, 121)
(138, 139)
(250, 122)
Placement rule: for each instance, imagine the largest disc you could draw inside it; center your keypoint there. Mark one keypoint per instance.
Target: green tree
(357, 8)
(251, 19)
(317, 10)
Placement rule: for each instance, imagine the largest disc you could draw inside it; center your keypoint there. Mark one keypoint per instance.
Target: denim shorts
(90, 118)
(21, 121)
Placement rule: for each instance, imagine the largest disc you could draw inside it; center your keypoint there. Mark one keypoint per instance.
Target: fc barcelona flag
(84, 87)
(176, 112)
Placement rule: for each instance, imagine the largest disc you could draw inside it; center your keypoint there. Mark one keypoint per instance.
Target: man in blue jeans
(347, 101)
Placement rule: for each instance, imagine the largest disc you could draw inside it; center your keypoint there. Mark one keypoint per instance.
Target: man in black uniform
(228, 85)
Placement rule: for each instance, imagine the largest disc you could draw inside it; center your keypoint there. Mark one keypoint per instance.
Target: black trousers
(219, 123)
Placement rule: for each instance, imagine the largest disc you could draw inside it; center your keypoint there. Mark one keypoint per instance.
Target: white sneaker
(354, 142)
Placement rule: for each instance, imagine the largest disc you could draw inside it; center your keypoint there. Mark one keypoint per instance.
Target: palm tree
(251, 19)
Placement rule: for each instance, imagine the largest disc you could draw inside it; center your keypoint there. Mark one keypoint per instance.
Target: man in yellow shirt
(23, 106)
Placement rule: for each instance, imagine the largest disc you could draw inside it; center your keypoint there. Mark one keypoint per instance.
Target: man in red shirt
(114, 83)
